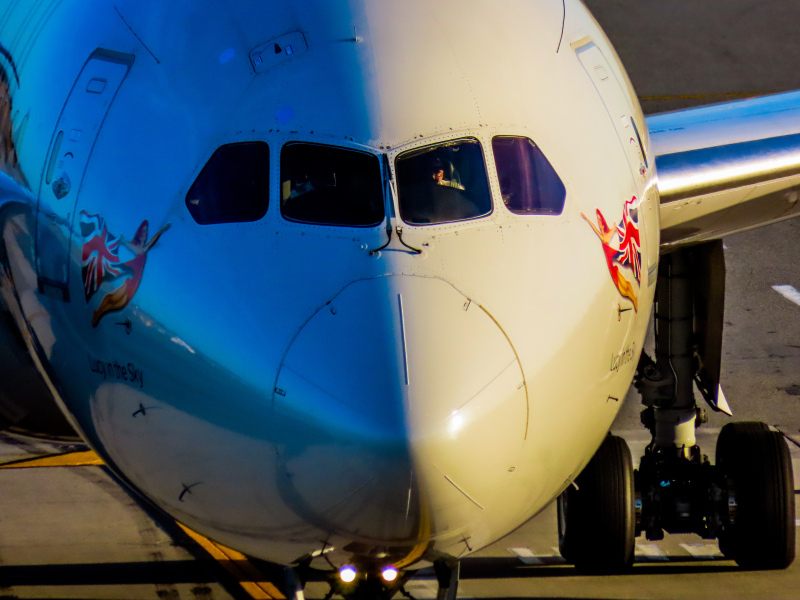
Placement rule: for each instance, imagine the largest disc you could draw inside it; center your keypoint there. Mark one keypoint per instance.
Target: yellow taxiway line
(71, 459)
(237, 565)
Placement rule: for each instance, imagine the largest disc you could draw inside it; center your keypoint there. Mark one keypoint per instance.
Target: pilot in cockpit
(437, 170)
(438, 197)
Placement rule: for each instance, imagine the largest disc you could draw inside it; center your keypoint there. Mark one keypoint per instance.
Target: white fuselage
(273, 384)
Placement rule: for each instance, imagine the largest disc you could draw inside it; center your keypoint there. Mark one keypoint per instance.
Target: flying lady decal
(101, 263)
(621, 247)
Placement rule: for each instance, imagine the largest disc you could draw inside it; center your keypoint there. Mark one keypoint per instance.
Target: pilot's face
(437, 175)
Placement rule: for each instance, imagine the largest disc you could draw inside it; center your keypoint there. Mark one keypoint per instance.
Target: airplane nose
(407, 409)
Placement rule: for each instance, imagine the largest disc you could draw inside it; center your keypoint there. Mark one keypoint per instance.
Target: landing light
(389, 573)
(347, 574)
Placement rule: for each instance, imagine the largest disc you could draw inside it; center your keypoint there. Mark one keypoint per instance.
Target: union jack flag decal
(100, 263)
(621, 248)
(99, 258)
(629, 254)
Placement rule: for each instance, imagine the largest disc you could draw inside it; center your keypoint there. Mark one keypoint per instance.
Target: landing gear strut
(447, 574)
(746, 499)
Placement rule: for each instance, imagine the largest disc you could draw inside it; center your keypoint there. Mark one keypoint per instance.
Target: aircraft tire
(724, 453)
(596, 522)
(729, 432)
(757, 460)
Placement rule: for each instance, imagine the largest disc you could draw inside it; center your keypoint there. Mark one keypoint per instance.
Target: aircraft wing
(727, 167)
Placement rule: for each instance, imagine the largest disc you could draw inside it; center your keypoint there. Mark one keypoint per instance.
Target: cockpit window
(528, 183)
(233, 187)
(330, 186)
(443, 183)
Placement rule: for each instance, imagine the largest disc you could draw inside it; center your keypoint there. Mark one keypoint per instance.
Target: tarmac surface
(73, 532)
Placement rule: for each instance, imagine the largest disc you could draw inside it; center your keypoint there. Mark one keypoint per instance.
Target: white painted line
(423, 589)
(702, 550)
(423, 584)
(650, 552)
(788, 292)
(527, 556)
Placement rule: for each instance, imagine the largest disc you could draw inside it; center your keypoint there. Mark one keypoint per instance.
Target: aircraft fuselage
(273, 373)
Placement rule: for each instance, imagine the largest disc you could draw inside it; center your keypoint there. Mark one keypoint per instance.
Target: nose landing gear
(761, 532)
(746, 500)
(596, 519)
(367, 584)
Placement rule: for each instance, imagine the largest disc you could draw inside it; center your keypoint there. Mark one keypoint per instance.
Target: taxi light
(389, 573)
(347, 574)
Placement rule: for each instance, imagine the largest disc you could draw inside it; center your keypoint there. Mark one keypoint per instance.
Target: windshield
(530, 186)
(233, 186)
(443, 183)
(330, 186)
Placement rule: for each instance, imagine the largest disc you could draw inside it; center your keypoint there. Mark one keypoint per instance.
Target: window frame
(421, 146)
(268, 185)
(278, 165)
(496, 175)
